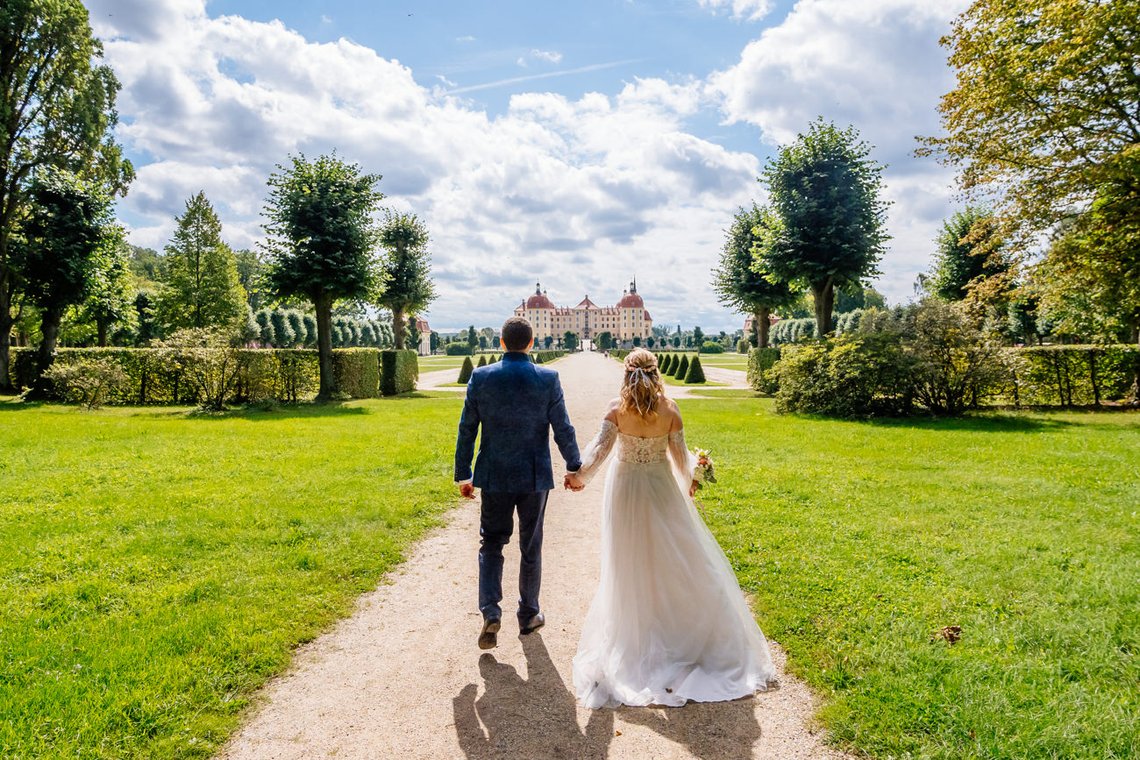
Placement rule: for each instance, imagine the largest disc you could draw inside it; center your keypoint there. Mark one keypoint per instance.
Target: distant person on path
(516, 403)
(668, 623)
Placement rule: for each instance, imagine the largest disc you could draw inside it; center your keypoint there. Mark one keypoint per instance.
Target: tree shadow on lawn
(985, 422)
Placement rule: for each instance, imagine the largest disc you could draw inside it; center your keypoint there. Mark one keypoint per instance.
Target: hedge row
(1078, 375)
(288, 375)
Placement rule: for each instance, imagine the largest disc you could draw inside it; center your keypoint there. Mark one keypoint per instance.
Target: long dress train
(668, 623)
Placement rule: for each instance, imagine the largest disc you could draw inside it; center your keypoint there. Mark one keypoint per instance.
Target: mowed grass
(157, 566)
(435, 363)
(738, 362)
(860, 541)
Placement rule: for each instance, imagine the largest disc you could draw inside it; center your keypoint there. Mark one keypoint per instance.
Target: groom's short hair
(516, 334)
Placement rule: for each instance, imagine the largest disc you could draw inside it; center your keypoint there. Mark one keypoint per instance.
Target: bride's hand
(693, 488)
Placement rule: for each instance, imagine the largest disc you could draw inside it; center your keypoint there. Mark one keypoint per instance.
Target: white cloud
(742, 10)
(582, 194)
(465, 38)
(874, 64)
(550, 56)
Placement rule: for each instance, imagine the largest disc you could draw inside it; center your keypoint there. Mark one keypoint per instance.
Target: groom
(517, 403)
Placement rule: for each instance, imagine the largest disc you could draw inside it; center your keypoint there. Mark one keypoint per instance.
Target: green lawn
(434, 363)
(738, 362)
(156, 566)
(861, 540)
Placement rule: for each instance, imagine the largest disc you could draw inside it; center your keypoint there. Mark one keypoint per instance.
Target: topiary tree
(682, 368)
(482, 360)
(283, 335)
(666, 367)
(828, 227)
(695, 374)
(465, 371)
(320, 239)
(310, 331)
(408, 288)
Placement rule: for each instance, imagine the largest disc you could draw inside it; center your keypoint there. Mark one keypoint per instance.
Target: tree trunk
(323, 304)
(49, 327)
(761, 324)
(6, 383)
(101, 328)
(399, 327)
(824, 296)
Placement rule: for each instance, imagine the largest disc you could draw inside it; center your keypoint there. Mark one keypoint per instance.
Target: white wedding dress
(669, 623)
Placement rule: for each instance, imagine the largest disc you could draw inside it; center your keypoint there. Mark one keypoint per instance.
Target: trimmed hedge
(695, 373)
(711, 347)
(465, 371)
(287, 375)
(399, 371)
(457, 349)
(544, 356)
(1078, 375)
(760, 374)
(680, 370)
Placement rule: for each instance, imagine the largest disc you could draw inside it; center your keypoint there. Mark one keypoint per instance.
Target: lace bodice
(636, 449)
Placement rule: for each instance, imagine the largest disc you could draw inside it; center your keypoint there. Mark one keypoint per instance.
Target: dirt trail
(402, 677)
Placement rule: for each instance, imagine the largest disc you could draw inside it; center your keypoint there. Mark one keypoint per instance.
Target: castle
(626, 321)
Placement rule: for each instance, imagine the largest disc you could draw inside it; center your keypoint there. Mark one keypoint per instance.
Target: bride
(668, 623)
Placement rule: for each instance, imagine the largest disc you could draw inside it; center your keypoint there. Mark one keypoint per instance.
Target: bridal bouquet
(703, 472)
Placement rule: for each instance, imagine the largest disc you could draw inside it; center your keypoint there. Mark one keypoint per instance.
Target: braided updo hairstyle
(642, 388)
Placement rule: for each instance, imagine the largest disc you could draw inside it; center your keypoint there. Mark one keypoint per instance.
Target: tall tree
(971, 253)
(65, 237)
(111, 300)
(202, 288)
(57, 109)
(407, 287)
(252, 273)
(825, 191)
(1044, 111)
(321, 239)
(738, 284)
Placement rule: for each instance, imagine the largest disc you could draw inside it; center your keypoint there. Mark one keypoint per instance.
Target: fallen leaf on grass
(949, 634)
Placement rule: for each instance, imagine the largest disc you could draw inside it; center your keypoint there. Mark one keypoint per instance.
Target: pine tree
(202, 287)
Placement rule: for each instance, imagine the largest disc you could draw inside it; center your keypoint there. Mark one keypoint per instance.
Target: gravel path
(402, 677)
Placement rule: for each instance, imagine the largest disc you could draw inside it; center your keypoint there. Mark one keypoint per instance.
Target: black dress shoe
(532, 625)
(488, 637)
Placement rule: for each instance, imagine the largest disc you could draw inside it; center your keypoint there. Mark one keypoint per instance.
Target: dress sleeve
(684, 462)
(597, 450)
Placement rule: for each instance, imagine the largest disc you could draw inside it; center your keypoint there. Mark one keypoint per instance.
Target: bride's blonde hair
(642, 388)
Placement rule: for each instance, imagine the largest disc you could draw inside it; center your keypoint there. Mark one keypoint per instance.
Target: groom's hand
(573, 482)
(467, 490)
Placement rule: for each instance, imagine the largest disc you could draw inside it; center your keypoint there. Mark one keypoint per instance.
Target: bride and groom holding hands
(668, 623)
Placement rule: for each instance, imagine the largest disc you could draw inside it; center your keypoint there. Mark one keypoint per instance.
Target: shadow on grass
(984, 422)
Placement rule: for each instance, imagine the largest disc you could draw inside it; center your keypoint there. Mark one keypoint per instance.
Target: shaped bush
(466, 370)
(711, 347)
(761, 376)
(695, 374)
(482, 360)
(681, 369)
(399, 371)
(88, 381)
(356, 372)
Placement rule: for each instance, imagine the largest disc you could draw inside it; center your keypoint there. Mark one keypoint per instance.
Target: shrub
(310, 322)
(695, 373)
(760, 373)
(666, 367)
(955, 365)
(711, 347)
(356, 372)
(482, 360)
(847, 376)
(743, 346)
(283, 335)
(207, 359)
(466, 370)
(494, 358)
(399, 371)
(87, 381)
(1076, 374)
(680, 369)
(457, 349)
(264, 327)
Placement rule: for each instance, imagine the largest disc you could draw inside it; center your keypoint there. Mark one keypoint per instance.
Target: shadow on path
(526, 719)
(722, 730)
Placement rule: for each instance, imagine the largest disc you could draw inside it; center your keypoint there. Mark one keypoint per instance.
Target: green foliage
(956, 364)
(711, 347)
(743, 346)
(201, 287)
(110, 302)
(681, 368)
(848, 376)
(544, 357)
(178, 561)
(90, 382)
(357, 372)
(457, 349)
(859, 541)
(1076, 375)
(604, 340)
(793, 331)
(482, 360)
(320, 239)
(760, 373)
(207, 358)
(970, 250)
(666, 367)
(695, 374)
(252, 273)
(465, 371)
(408, 287)
(399, 371)
(58, 113)
(828, 224)
(570, 341)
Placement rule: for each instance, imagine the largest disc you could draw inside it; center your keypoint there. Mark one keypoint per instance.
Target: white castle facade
(626, 321)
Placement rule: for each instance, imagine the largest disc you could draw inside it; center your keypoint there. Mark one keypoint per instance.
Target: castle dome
(539, 299)
(630, 299)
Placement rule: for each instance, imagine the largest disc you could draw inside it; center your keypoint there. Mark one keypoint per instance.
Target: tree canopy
(407, 284)
(970, 252)
(57, 109)
(321, 240)
(828, 229)
(738, 283)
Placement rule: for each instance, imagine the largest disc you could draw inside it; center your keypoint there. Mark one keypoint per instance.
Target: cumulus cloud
(741, 10)
(579, 193)
(874, 64)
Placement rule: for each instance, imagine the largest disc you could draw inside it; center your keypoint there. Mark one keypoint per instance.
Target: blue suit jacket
(517, 403)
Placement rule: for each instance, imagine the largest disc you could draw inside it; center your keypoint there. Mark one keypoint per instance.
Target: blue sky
(579, 144)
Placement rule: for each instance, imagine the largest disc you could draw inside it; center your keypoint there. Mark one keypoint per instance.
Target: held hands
(573, 482)
(467, 490)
